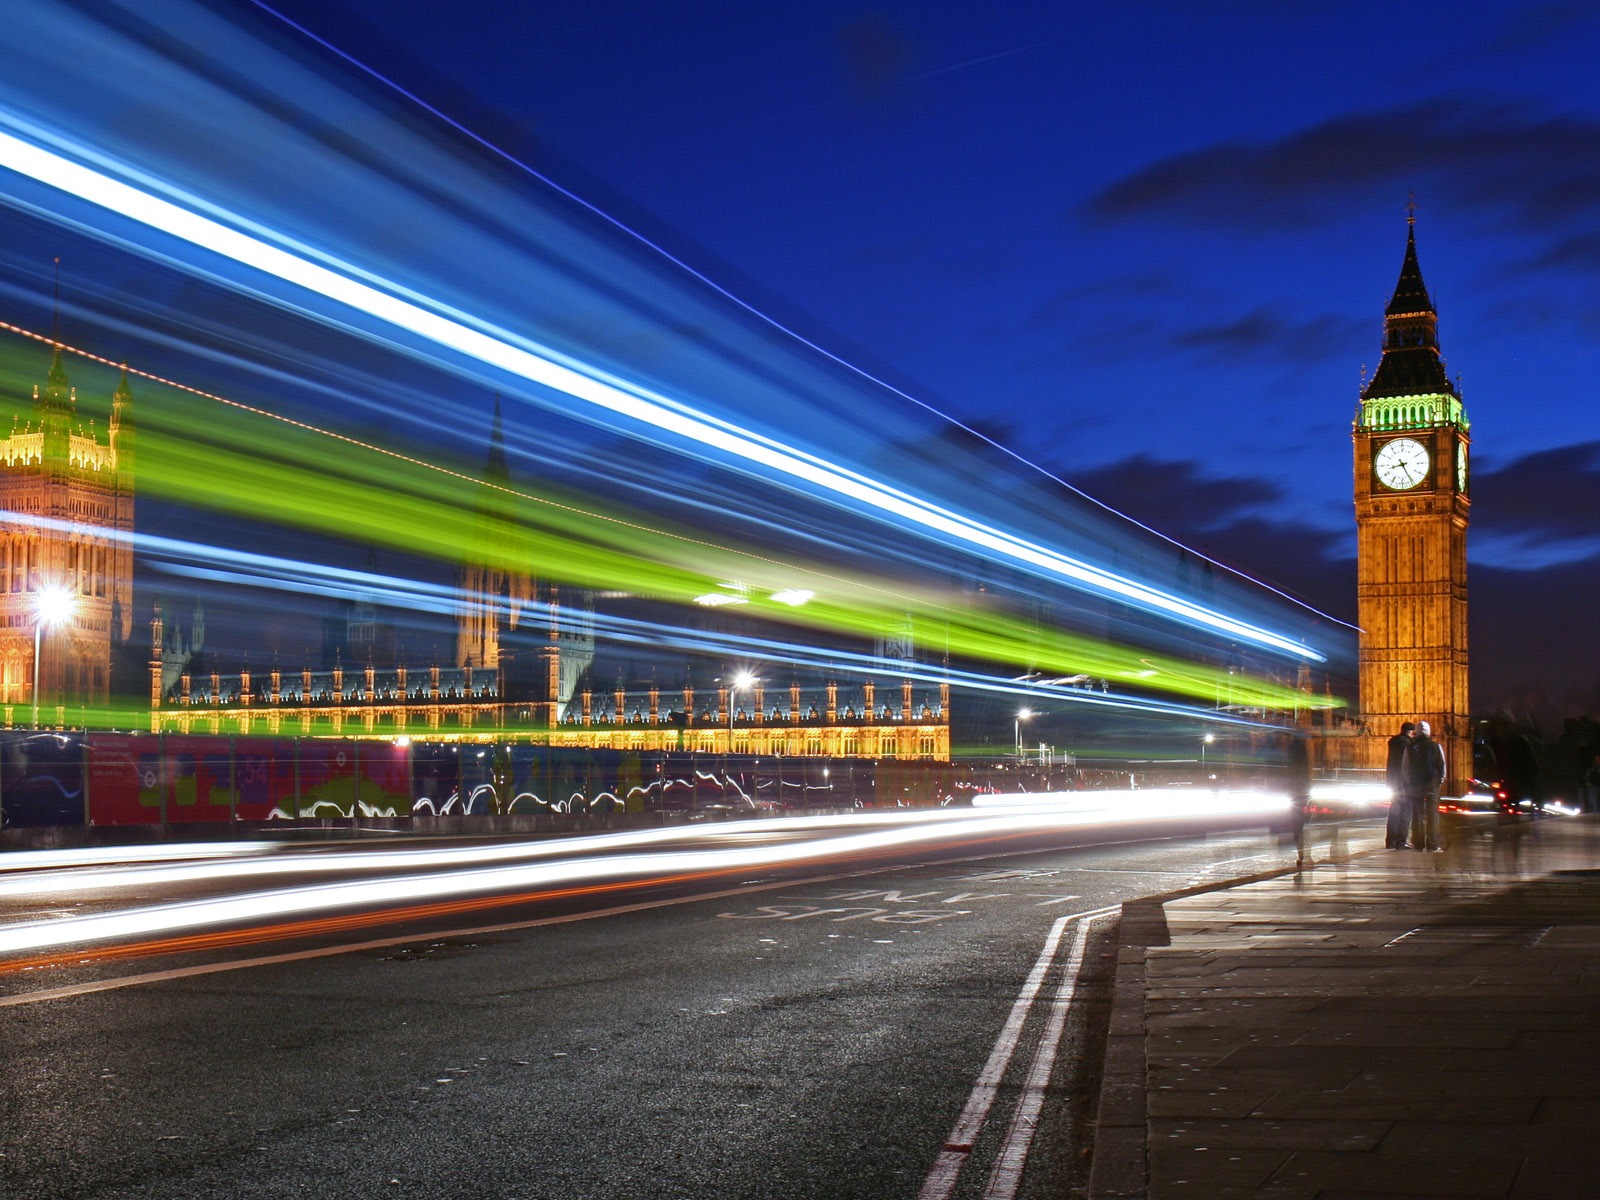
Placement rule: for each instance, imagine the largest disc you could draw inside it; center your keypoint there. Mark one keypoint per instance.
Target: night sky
(1147, 245)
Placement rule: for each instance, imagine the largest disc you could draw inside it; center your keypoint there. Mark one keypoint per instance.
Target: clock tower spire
(1411, 438)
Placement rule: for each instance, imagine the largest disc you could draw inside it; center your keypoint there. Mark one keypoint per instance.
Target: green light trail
(218, 456)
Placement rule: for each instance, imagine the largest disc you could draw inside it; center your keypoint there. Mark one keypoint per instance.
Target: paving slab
(1388, 1024)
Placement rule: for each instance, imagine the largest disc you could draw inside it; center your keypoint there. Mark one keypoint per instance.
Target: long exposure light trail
(92, 856)
(419, 887)
(219, 475)
(474, 481)
(992, 637)
(44, 871)
(788, 331)
(600, 550)
(328, 862)
(336, 925)
(499, 348)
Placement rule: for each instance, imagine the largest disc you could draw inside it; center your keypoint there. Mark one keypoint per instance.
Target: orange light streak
(255, 935)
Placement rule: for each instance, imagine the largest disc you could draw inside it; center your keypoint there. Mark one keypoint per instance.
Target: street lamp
(1204, 742)
(742, 681)
(746, 680)
(51, 605)
(1016, 728)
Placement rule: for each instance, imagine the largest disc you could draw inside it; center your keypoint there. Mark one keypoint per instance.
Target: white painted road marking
(941, 1180)
(1007, 1174)
(886, 916)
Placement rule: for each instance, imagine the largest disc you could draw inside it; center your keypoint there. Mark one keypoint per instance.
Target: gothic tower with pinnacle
(537, 638)
(1412, 504)
(494, 595)
(66, 492)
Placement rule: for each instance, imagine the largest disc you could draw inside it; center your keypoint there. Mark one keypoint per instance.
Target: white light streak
(1351, 793)
(323, 862)
(89, 856)
(411, 889)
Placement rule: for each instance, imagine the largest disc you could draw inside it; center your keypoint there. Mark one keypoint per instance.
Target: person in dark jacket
(1424, 771)
(1401, 802)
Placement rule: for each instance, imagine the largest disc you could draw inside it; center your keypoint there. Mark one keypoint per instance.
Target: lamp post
(1204, 742)
(1016, 728)
(51, 605)
(745, 680)
(742, 681)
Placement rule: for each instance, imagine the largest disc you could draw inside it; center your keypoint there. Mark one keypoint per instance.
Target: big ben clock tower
(1411, 476)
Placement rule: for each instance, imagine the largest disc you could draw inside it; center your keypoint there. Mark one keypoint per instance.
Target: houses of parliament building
(523, 667)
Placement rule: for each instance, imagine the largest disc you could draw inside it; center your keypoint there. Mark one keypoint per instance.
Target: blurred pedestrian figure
(1424, 772)
(1519, 770)
(1400, 800)
(1505, 854)
(1297, 777)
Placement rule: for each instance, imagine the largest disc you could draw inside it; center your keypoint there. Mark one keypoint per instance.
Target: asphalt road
(832, 1029)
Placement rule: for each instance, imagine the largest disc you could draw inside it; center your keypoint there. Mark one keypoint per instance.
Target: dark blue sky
(1147, 245)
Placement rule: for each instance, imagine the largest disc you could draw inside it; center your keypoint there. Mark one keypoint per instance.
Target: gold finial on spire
(55, 316)
(1411, 208)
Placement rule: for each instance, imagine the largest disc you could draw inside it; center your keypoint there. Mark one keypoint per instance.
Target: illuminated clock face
(1401, 463)
(1461, 468)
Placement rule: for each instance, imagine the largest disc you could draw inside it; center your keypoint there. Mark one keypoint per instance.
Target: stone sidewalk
(1384, 1024)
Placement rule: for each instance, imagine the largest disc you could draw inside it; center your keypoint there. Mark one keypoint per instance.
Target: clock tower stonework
(1412, 439)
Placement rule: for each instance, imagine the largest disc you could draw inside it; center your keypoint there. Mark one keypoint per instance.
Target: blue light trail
(447, 327)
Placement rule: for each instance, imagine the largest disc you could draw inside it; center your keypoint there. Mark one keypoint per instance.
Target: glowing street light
(743, 681)
(1016, 728)
(51, 606)
(1204, 742)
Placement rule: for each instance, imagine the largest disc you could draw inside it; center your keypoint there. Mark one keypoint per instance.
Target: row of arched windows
(79, 678)
(85, 572)
(1398, 415)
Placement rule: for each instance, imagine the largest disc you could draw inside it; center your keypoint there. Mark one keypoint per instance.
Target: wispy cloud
(1177, 497)
(1268, 334)
(1512, 161)
(1548, 501)
(1531, 27)
(1131, 319)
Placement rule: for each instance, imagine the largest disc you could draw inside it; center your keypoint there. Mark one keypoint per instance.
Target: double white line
(1007, 1174)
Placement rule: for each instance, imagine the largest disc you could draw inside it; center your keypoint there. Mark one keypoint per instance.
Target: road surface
(896, 1020)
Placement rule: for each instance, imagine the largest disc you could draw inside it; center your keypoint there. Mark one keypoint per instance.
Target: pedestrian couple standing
(1415, 774)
